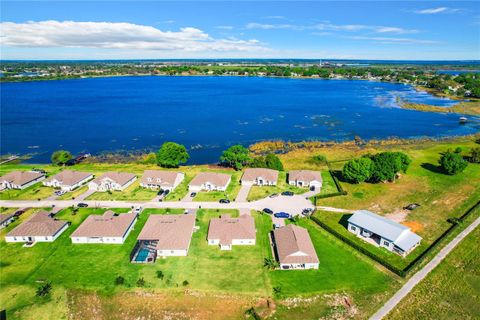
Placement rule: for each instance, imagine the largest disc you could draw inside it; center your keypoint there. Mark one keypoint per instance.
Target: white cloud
(437, 10)
(224, 27)
(392, 40)
(330, 27)
(275, 17)
(115, 35)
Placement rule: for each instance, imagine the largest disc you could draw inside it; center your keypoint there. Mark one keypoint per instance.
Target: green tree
(236, 156)
(474, 155)
(171, 155)
(386, 165)
(119, 280)
(358, 170)
(61, 157)
(452, 163)
(44, 290)
(272, 161)
(258, 162)
(270, 263)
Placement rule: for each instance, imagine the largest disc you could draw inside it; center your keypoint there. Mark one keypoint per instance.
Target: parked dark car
(269, 211)
(193, 194)
(287, 193)
(224, 201)
(307, 212)
(82, 205)
(281, 215)
(19, 213)
(312, 188)
(273, 195)
(160, 192)
(166, 192)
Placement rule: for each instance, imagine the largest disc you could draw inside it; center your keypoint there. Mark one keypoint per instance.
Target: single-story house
(164, 235)
(20, 179)
(259, 177)
(210, 181)
(158, 179)
(226, 231)
(68, 180)
(305, 179)
(40, 227)
(6, 219)
(112, 181)
(109, 228)
(383, 232)
(294, 248)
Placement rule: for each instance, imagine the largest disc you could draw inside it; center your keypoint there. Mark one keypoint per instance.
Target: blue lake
(208, 113)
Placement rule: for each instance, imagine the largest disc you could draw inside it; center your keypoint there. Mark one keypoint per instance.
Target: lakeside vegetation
(463, 107)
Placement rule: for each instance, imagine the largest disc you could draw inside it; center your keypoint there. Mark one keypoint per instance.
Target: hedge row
(405, 271)
(339, 187)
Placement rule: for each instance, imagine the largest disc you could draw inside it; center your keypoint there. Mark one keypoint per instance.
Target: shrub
(185, 283)
(272, 161)
(160, 274)
(141, 282)
(474, 155)
(61, 157)
(458, 150)
(44, 290)
(452, 163)
(119, 280)
(236, 156)
(277, 291)
(171, 155)
(358, 170)
(319, 159)
(386, 165)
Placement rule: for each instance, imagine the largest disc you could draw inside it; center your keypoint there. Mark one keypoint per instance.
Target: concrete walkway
(420, 275)
(85, 195)
(243, 193)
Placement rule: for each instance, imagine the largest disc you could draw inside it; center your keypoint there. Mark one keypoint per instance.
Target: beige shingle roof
(217, 179)
(304, 175)
(107, 225)
(251, 174)
(68, 177)
(226, 228)
(119, 177)
(21, 177)
(5, 217)
(38, 225)
(172, 231)
(294, 245)
(167, 178)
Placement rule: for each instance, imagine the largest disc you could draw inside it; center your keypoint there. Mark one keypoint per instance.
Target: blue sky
(410, 30)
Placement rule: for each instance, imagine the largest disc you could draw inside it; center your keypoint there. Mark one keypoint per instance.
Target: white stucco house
(68, 180)
(40, 227)
(305, 179)
(20, 179)
(259, 177)
(227, 232)
(209, 181)
(116, 181)
(294, 248)
(159, 179)
(109, 228)
(383, 232)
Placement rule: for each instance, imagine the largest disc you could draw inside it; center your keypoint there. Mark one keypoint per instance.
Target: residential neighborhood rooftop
(172, 231)
(69, 177)
(160, 178)
(218, 179)
(226, 228)
(304, 175)
(5, 217)
(40, 224)
(21, 177)
(119, 177)
(399, 234)
(110, 224)
(294, 245)
(251, 174)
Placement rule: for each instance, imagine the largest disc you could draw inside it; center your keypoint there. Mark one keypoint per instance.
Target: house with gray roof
(259, 177)
(383, 232)
(117, 181)
(210, 181)
(160, 179)
(20, 179)
(40, 227)
(68, 180)
(227, 231)
(294, 248)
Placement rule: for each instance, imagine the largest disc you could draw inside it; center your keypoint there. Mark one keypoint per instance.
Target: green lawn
(260, 192)
(75, 193)
(37, 191)
(450, 291)
(328, 185)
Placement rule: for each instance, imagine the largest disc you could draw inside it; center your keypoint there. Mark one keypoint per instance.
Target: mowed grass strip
(260, 192)
(450, 291)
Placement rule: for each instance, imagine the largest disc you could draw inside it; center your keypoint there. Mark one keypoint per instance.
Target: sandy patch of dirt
(399, 215)
(414, 225)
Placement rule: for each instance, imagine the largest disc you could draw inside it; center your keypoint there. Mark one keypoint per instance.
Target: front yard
(260, 192)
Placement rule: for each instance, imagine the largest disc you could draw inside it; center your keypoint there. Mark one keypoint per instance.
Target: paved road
(293, 205)
(420, 275)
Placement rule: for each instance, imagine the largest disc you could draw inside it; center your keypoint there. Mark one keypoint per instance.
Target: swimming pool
(142, 255)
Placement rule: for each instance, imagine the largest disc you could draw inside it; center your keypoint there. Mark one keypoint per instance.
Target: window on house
(353, 228)
(386, 243)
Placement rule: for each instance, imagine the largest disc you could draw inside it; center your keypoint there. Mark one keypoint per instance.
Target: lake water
(207, 114)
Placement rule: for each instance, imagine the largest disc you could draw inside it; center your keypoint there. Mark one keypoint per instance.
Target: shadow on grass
(344, 220)
(431, 167)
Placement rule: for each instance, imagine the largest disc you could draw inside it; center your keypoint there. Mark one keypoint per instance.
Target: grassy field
(37, 191)
(75, 193)
(450, 291)
(260, 192)
(93, 268)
